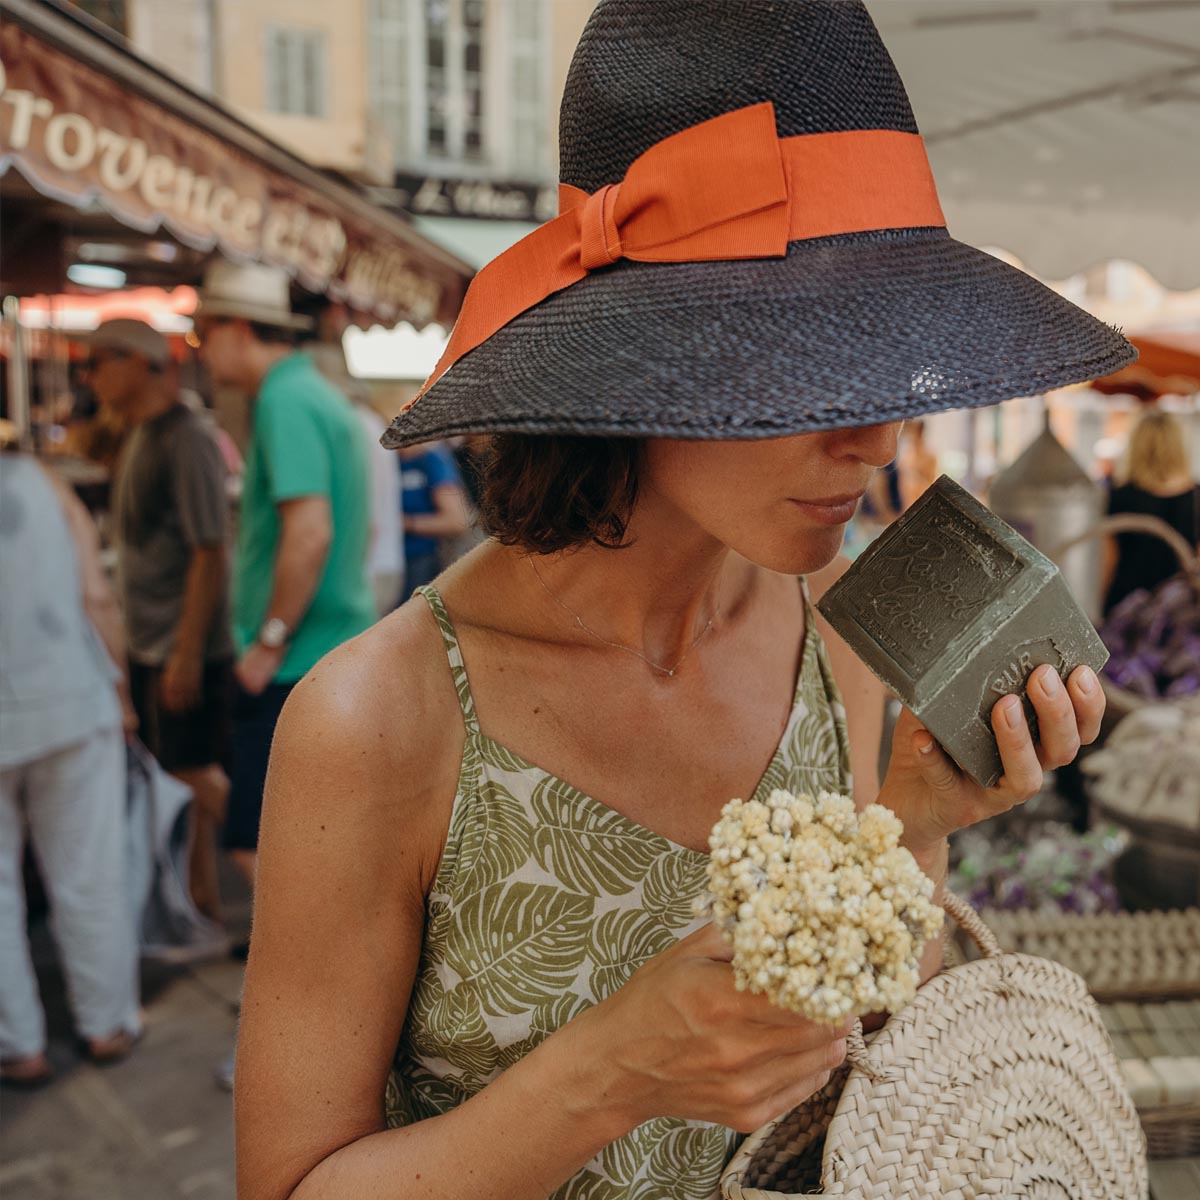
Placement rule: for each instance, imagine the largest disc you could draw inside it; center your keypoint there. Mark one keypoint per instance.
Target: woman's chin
(800, 554)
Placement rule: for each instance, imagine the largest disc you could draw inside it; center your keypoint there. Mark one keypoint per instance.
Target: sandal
(28, 1073)
(103, 1052)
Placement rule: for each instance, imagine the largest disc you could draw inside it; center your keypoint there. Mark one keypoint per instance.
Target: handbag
(169, 927)
(997, 1080)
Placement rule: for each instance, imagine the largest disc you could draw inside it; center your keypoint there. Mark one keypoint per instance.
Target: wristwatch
(274, 633)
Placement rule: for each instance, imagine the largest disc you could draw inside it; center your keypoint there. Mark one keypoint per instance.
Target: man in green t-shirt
(299, 574)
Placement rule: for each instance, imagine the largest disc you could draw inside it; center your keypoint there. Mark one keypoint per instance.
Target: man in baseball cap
(170, 516)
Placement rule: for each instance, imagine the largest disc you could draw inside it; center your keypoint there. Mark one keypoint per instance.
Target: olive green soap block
(953, 609)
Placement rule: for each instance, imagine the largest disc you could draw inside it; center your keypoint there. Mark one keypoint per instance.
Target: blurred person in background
(63, 706)
(1156, 481)
(385, 556)
(299, 574)
(170, 517)
(435, 509)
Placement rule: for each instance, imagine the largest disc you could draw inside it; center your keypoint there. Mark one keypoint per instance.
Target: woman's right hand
(685, 1042)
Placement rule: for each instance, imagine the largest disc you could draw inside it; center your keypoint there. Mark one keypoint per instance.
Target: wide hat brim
(846, 331)
(247, 310)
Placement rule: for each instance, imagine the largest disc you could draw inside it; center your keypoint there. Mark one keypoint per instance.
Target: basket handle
(1136, 523)
(972, 924)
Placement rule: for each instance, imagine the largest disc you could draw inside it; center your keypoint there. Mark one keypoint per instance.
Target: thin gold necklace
(668, 671)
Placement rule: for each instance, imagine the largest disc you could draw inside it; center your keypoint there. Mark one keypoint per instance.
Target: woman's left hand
(933, 797)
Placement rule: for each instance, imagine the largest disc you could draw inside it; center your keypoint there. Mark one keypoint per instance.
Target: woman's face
(782, 503)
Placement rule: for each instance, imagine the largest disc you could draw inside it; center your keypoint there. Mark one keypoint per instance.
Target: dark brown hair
(548, 493)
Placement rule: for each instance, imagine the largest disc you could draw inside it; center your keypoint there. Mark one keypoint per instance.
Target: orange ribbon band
(728, 188)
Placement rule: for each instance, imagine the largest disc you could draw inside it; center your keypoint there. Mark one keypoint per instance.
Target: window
(528, 116)
(454, 65)
(296, 71)
(388, 42)
(462, 85)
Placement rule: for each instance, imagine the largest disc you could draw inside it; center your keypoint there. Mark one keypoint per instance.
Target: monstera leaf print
(775, 776)
(620, 942)
(685, 1162)
(428, 1095)
(521, 944)
(495, 839)
(622, 1158)
(588, 1185)
(450, 1024)
(397, 1110)
(812, 750)
(437, 929)
(450, 641)
(501, 758)
(588, 847)
(672, 886)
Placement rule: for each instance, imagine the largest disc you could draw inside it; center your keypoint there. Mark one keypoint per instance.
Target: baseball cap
(130, 336)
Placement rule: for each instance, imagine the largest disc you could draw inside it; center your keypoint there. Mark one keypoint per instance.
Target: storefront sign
(430, 196)
(76, 134)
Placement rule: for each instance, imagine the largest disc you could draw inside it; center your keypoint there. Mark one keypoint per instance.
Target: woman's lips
(830, 510)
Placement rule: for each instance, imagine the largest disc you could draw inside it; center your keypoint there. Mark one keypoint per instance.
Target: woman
(1158, 483)
(476, 970)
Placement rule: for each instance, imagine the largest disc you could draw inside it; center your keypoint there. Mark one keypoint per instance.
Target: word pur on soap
(952, 610)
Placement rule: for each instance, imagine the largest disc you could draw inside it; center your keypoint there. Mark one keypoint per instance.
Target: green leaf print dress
(546, 901)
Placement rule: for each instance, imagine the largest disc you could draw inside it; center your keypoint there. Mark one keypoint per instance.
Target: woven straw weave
(998, 1080)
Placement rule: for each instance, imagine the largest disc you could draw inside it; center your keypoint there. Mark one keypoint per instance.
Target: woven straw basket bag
(997, 1080)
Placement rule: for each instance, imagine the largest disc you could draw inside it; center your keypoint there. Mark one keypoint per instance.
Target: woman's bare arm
(356, 773)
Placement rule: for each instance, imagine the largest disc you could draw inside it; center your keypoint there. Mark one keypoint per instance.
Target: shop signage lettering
(151, 168)
(435, 197)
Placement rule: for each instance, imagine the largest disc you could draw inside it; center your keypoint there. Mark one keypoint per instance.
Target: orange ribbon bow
(728, 188)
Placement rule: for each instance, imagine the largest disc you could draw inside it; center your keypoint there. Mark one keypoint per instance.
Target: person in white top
(385, 558)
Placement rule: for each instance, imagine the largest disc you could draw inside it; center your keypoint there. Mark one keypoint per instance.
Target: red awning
(1168, 363)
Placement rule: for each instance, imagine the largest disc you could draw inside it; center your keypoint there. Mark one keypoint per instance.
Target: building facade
(385, 91)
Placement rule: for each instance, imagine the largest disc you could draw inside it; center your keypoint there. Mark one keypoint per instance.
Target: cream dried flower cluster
(826, 912)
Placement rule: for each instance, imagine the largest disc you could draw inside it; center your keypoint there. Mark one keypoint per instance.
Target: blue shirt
(419, 477)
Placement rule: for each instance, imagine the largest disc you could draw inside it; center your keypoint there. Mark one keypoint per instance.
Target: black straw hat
(844, 330)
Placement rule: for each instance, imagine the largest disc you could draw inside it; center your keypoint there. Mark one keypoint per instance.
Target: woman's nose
(875, 445)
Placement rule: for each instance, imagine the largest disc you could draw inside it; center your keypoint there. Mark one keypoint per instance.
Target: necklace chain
(668, 671)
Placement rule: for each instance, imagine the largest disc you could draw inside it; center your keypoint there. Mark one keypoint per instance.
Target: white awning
(1066, 132)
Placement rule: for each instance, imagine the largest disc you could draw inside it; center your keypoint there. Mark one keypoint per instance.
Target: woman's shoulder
(378, 720)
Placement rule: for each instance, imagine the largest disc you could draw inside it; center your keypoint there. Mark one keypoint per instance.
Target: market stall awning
(85, 121)
(1062, 131)
(1168, 363)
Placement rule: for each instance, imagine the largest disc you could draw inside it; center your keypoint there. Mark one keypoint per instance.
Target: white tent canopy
(1066, 132)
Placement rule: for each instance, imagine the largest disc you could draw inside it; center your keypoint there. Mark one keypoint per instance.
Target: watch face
(273, 633)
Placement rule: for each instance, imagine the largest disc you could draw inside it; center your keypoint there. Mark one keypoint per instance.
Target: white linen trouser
(73, 804)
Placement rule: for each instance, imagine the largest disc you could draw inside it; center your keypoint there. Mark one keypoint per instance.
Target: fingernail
(925, 746)
(1051, 684)
(1013, 714)
(1086, 681)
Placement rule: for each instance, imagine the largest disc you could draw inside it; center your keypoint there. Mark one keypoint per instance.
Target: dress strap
(458, 669)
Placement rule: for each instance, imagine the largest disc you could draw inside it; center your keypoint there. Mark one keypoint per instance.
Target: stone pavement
(154, 1127)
